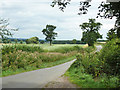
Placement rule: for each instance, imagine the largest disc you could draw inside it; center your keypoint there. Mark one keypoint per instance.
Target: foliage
(74, 41)
(13, 48)
(21, 58)
(34, 40)
(42, 41)
(110, 55)
(102, 68)
(4, 30)
(21, 41)
(111, 34)
(67, 42)
(110, 10)
(90, 31)
(49, 33)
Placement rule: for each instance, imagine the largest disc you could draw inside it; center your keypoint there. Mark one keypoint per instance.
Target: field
(17, 58)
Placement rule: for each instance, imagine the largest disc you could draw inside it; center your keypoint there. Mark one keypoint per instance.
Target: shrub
(110, 55)
(11, 49)
(23, 59)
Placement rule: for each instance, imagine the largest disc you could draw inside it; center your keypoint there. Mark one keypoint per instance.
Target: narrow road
(35, 79)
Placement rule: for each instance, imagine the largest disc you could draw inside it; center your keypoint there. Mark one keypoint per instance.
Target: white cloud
(31, 16)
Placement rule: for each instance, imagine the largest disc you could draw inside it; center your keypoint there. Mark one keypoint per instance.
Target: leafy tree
(49, 33)
(4, 31)
(42, 41)
(74, 41)
(111, 34)
(21, 41)
(4, 40)
(90, 31)
(34, 40)
(106, 10)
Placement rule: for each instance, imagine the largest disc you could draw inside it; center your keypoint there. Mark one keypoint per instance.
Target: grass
(31, 68)
(89, 71)
(84, 80)
(28, 57)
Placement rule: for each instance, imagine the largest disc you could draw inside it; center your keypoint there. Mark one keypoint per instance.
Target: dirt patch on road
(62, 82)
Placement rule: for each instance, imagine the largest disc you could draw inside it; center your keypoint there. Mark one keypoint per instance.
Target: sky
(32, 16)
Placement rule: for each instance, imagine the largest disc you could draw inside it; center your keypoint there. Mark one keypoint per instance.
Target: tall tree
(49, 33)
(4, 30)
(90, 31)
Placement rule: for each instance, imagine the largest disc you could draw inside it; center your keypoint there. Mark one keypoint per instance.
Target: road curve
(36, 78)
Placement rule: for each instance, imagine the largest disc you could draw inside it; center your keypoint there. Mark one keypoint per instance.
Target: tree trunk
(90, 44)
(118, 32)
(50, 43)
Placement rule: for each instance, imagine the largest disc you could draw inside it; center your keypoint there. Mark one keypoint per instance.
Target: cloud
(31, 16)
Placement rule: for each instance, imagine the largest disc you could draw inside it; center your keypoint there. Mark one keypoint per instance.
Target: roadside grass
(23, 58)
(84, 80)
(31, 68)
(98, 69)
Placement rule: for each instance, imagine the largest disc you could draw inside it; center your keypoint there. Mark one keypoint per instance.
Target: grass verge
(31, 68)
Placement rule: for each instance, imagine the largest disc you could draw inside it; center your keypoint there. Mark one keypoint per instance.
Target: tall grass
(12, 48)
(19, 58)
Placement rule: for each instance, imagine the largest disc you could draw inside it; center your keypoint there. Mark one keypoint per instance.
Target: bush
(110, 55)
(103, 66)
(11, 49)
(22, 59)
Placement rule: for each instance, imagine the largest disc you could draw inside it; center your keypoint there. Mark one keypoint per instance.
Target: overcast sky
(31, 17)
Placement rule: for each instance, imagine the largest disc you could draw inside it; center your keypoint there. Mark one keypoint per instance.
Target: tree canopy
(49, 33)
(34, 40)
(105, 10)
(90, 31)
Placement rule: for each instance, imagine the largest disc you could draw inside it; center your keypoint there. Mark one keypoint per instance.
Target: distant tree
(34, 40)
(90, 31)
(4, 40)
(27, 41)
(4, 31)
(9, 41)
(74, 41)
(49, 33)
(42, 41)
(111, 34)
(16, 41)
(21, 41)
